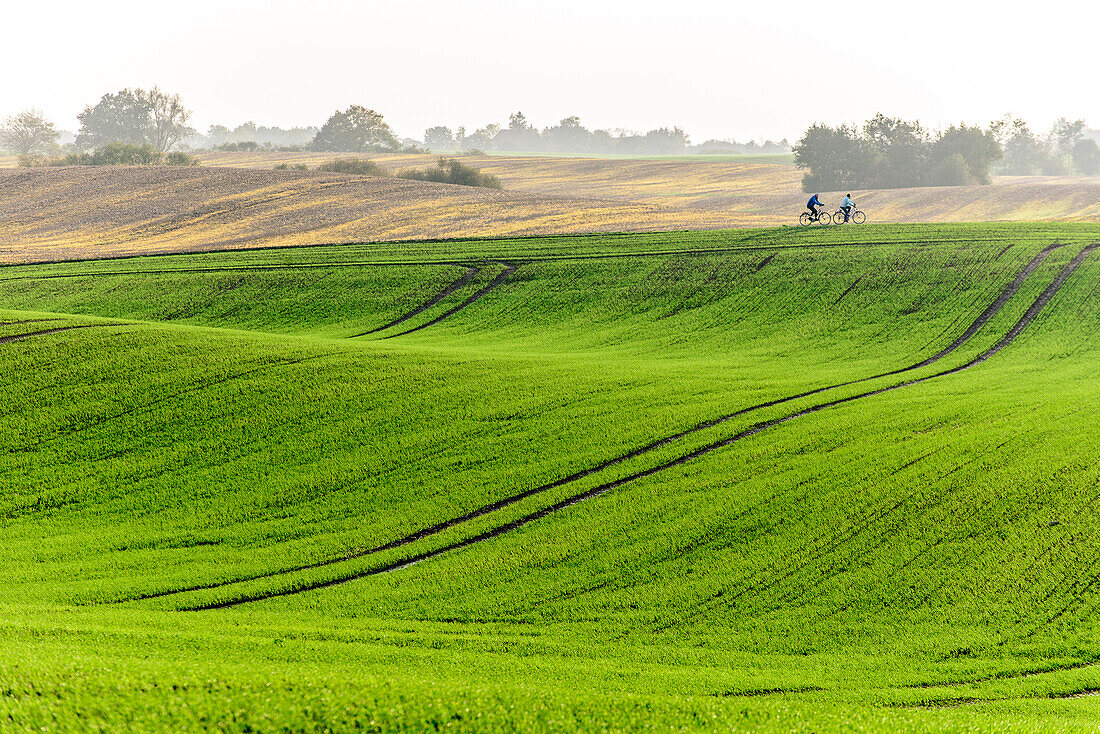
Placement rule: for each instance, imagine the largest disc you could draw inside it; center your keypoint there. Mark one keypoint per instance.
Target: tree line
(150, 122)
(884, 152)
(139, 117)
(570, 136)
(887, 152)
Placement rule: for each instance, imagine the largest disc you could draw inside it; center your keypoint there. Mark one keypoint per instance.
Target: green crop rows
(754, 480)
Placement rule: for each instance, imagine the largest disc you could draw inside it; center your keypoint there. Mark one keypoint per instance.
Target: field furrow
(754, 430)
(451, 288)
(250, 491)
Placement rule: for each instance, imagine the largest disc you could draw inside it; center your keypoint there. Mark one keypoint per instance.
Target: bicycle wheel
(859, 217)
(838, 217)
(805, 220)
(825, 219)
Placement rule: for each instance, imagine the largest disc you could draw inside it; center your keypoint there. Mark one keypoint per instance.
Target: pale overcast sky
(718, 69)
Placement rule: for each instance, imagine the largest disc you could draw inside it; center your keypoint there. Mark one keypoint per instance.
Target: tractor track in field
(463, 262)
(509, 268)
(44, 332)
(1004, 675)
(233, 268)
(27, 321)
(1007, 339)
(850, 288)
(1029, 316)
(1086, 663)
(471, 271)
(959, 702)
(993, 308)
(763, 263)
(998, 303)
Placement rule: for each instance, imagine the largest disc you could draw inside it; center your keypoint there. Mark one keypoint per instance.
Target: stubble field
(236, 200)
(740, 192)
(81, 212)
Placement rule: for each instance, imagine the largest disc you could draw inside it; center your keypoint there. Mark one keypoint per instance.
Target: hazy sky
(718, 69)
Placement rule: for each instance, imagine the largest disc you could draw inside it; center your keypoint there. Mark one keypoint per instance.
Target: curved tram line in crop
(1009, 291)
(1029, 316)
(471, 271)
(507, 273)
(463, 262)
(44, 332)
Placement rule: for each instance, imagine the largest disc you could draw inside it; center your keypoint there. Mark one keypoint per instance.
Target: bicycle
(823, 218)
(856, 217)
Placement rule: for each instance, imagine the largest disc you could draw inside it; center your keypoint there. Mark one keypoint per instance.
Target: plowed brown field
(749, 193)
(235, 200)
(663, 182)
(62, 213)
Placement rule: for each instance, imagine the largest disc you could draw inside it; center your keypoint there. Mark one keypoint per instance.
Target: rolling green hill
(763, 480)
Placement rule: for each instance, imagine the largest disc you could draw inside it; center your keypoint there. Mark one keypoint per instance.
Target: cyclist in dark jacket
(813, 204)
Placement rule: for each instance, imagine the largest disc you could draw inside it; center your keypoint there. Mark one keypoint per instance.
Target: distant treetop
(356, 130)
(136, 117)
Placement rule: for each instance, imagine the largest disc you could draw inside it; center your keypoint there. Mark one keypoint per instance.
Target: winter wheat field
(765, 480)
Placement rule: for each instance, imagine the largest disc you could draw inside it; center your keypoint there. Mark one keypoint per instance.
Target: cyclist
(846, 206)
(812, 205)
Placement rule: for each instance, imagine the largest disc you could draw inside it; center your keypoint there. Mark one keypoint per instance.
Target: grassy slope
(883, 551)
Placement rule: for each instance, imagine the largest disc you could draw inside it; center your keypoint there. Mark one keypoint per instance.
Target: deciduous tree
(356, 129)
(136, 117)
(976, 148)
(519, 135)
(122, 117)
(168, 118)
(833, 158)
(1023, 151)
(1066, 134)
(439, 138)
(28, 133)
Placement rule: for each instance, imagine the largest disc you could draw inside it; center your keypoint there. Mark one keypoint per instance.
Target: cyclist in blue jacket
(813, 204)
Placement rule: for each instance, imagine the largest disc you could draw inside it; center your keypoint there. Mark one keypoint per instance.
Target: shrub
(356, 166)
(450, 171)
(180, 159)
(126, 154)
(288, 167)
(33, 161)
(71, 159)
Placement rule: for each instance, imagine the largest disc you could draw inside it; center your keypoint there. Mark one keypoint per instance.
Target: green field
(791, 480)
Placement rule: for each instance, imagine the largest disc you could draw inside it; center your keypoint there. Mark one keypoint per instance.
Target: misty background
(718, 70)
